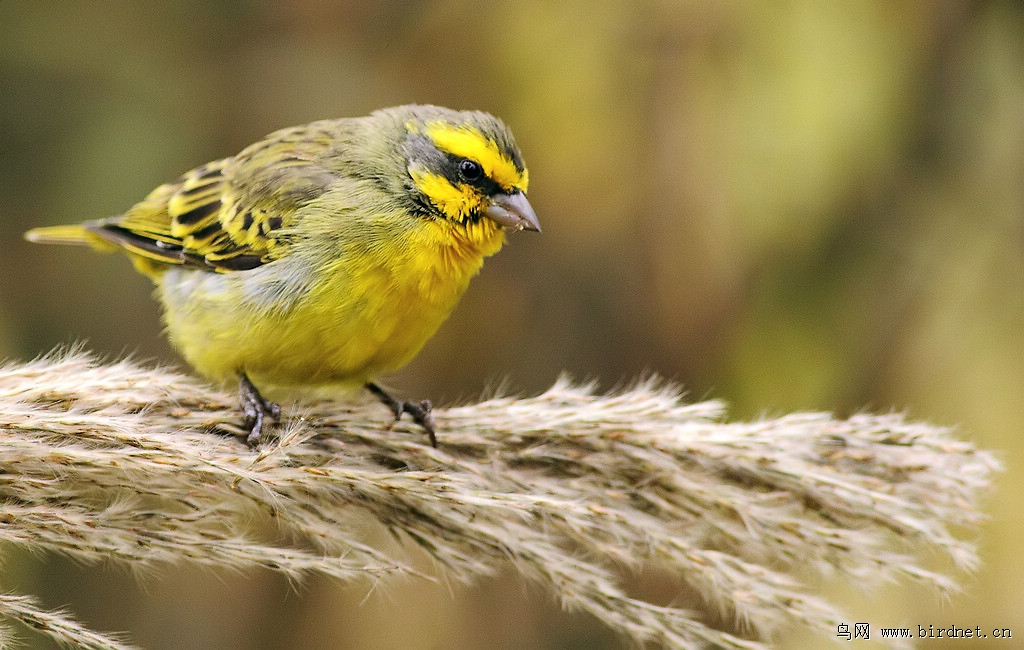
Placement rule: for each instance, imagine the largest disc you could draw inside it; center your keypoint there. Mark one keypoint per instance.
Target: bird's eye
(470, 171)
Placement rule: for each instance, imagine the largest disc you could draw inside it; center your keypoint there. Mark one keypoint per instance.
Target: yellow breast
(344, 319)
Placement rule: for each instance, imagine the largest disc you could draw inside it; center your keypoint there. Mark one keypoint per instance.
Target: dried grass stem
(569, 488)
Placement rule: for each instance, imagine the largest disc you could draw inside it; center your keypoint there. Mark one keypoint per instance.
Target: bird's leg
(254, 409)
(420, 412)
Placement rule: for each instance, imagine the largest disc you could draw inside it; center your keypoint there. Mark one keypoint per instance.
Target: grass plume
(116, 461)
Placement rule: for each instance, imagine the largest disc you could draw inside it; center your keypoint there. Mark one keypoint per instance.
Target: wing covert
(227, 215)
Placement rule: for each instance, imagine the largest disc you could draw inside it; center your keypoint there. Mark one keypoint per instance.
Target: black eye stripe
(455, 171)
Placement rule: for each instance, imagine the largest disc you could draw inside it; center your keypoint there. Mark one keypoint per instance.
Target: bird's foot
(255, 409)
(420, 411)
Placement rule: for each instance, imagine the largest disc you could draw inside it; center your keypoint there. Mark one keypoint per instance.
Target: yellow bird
(325, 254)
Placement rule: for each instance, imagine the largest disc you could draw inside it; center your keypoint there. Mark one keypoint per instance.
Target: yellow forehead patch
(470, 142)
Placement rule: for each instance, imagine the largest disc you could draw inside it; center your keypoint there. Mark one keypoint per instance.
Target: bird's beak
(513, 211)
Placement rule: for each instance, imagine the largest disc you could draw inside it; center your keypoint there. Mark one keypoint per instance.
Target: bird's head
(464, 166)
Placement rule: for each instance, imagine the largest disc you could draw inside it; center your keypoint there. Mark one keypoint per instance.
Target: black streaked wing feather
(225, 215)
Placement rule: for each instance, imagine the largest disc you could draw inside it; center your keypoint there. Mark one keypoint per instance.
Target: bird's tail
(76, 235)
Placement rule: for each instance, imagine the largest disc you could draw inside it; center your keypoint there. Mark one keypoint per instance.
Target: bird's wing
(227, 215)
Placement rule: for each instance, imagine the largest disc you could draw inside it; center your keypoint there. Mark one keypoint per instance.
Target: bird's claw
(420, 412)
(421, 415)
(255, 410)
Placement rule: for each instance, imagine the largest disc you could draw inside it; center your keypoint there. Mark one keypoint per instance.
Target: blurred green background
(786, 205)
